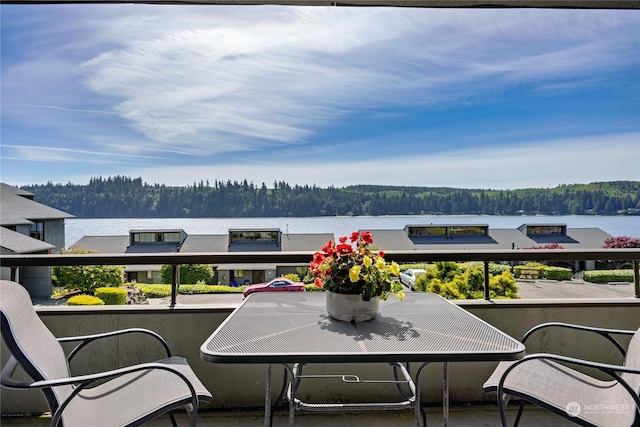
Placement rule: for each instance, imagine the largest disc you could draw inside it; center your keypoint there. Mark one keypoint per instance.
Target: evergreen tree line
(124, 197)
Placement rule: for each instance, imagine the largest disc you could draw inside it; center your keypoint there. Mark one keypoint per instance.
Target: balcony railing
(186, 326)
(176, 259)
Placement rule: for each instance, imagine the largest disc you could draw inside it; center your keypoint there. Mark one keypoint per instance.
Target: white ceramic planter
(351, 308)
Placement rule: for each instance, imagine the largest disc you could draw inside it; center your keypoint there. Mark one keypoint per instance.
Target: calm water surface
(75, 229)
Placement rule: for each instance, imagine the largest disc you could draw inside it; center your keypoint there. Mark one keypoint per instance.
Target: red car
(279, 284)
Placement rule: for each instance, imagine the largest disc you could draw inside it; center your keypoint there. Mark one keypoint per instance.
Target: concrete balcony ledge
(460, 415)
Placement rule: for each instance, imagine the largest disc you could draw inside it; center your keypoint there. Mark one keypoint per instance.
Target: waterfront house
(236, 240)
(473, 237)
(29, 227)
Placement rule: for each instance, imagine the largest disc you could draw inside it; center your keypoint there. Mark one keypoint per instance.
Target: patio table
(294, 328)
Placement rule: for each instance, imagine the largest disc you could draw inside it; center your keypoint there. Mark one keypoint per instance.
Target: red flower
(327, 246)
(318, 282)
(366, 237)
(318, 257)
(355, 236)
(343, 239)
(344, 249)
(381, 254)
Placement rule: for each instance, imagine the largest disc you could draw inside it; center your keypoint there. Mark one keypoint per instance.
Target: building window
(449, 230)
(156, 237)
(36, 230)
(270, 236)
(468, 230)
(427, 231)
(560, 230)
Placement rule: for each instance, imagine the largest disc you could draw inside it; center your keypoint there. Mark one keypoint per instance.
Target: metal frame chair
(547, 381)
(127, 396)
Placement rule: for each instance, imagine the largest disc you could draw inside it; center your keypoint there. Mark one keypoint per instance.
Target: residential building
(29, 227)
(236, 240)
(456, 237)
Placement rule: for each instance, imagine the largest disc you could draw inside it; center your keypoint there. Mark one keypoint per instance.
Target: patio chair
(125, 397)
(547, 380)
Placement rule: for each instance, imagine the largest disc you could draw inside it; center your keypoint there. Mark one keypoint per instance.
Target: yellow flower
(395, 269)
(400, 295)
(380, 264)
(367, 261)
(354, 273)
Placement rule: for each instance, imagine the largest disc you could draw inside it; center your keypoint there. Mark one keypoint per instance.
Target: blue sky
(483, 98)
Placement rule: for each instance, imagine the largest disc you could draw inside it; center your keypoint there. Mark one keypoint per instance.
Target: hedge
(605, 276)
(162, 291)
(84, 300)
(112, 296)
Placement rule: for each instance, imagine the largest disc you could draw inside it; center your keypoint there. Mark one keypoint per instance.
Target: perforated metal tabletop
(295, 327)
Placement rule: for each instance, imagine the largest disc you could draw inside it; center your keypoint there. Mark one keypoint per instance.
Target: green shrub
(112, 296)
(466, 280)
(162, 291)
(605, 276)
(155, 291)
(447, 290)
(84, 300)
(87, 278)
(503, 285)
(292, 276)
(201, 288)
(189, 273)
(557, 273)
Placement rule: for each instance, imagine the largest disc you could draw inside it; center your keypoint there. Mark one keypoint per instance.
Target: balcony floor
(462, 416)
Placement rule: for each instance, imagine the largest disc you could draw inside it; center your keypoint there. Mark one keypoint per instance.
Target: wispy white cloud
(177, 85)
(535, 164)
(284, 74)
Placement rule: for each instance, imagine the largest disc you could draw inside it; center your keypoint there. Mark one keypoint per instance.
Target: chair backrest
(30, 341)
(632, 359)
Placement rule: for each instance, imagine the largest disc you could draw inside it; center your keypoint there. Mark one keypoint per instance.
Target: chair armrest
(7, 372)
(83, 381)
(605, 332)
(86, 339)
(611, 370)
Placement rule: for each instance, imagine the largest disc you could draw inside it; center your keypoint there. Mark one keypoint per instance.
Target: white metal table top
(295, 327)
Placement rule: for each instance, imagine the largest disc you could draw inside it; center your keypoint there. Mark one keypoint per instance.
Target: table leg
(418, 411)
(445, 395)
(267, 399)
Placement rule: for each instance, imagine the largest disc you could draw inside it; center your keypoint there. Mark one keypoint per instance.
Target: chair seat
(566, 391)
(148, 393)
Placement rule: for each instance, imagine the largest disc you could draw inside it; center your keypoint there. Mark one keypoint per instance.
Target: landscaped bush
(189, 273)
(605, 276)
(87, 278)
(162, 291)
(292, 276)
(557, 273)
(84, 300)
(155, 291)
(201, 288)
(466, 280)
(112, 296)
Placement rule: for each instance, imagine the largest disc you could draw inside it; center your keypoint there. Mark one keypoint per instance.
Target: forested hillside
(124, 197)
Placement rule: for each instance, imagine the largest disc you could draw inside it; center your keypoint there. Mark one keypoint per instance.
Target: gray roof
(498, 238)
(18, 208)
(20, 244)
(288, 243)
(103, 244)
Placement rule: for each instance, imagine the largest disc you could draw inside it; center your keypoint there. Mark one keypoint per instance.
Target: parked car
(408, 277)
(279, 284)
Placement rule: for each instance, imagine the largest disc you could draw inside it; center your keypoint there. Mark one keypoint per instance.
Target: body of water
(75, 229)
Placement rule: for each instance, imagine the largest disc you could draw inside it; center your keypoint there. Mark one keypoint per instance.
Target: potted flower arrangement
(355, 278)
